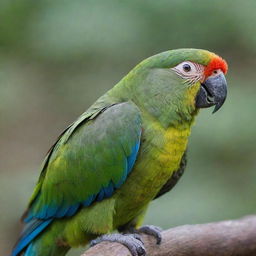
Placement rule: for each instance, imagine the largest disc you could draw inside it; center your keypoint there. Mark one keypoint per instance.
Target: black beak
(212, 92)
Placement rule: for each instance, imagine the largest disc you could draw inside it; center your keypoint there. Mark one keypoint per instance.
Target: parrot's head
(173, 85)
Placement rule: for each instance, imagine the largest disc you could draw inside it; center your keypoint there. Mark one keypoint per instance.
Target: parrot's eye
(190, 71)
(186, 67)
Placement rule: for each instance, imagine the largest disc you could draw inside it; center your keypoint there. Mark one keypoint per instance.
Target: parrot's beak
(212, 92)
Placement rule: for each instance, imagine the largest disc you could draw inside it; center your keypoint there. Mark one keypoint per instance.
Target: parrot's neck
(168, 109)
(175, 112)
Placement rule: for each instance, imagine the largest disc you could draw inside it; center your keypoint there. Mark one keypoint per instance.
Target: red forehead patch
(216, 63)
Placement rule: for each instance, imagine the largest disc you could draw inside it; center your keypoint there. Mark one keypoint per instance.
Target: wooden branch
(225, 238)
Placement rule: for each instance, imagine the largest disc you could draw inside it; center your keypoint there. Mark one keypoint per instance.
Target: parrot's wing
(91, 159)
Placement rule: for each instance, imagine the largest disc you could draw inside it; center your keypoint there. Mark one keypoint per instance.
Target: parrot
(126, 150)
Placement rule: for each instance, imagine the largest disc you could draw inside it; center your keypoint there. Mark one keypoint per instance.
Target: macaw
(127, 149)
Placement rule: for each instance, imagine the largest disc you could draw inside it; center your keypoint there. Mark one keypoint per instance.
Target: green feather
(87, 159)
(93, 152)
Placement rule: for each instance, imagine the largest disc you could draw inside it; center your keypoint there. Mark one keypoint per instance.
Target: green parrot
(127, 149)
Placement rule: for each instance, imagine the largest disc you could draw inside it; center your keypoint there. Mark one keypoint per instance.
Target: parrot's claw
(132, 241)
(152, 231)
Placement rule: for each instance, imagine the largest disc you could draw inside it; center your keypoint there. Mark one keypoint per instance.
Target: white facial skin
(192, 72)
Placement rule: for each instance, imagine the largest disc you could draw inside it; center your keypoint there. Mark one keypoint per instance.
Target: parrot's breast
(160, 155)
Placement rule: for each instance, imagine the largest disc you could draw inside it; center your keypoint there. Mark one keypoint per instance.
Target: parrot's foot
(152, 231)
(132, 241)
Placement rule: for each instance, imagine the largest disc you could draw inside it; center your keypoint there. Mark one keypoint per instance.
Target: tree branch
(225, 238)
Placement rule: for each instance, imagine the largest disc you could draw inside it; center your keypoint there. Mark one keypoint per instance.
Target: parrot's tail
(30, 232)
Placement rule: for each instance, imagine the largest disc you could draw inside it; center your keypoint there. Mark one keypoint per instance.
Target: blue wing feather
(109, 190)
(31, 231)
(89, 200)
(132, 158)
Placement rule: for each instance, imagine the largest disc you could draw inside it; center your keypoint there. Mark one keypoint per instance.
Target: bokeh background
(57, 57)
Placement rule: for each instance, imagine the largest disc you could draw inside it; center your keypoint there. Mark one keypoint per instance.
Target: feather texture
(101, 163)
(31, 230)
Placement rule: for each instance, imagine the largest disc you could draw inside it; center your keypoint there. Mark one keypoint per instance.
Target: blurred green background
(57, 57)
